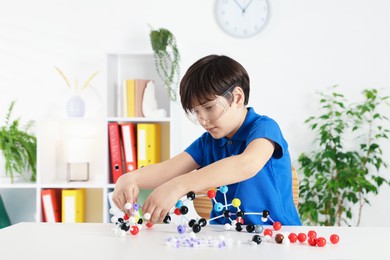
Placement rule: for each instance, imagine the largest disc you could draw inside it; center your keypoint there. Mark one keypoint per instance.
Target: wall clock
(242, 18)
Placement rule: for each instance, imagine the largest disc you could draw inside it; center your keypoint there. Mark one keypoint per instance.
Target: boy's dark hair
(212, 76)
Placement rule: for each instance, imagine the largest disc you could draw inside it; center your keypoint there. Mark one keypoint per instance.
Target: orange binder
(129, 146)
(148, 144)
(73, 205)
(51, 205)
(140, 85)
(115, 149)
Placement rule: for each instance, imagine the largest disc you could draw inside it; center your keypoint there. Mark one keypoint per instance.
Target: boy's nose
(203, 121)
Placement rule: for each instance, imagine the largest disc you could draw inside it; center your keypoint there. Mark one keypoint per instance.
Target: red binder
(51, 205)
(128, 131)
(115, 149)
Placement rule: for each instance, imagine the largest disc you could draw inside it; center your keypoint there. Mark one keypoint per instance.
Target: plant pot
(75, 107)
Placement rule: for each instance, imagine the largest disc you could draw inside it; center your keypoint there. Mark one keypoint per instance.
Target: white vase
(75, 106)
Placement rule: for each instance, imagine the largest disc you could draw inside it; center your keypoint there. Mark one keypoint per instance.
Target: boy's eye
(209, 107)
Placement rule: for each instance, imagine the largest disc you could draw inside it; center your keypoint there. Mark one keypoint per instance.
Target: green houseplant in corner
(167, 59)
(344, 169)
(18, 147)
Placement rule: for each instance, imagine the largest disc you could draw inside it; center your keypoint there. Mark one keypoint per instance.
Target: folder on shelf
(129, 98)
(133, 94)
(129, 146)
(148, 144)
(115, 151)
(4, 218)
(51, 205)
(73, 205)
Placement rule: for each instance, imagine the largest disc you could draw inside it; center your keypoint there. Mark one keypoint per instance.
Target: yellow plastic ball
(236, 202)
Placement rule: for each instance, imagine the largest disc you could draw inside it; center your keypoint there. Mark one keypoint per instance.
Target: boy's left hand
(160, 201)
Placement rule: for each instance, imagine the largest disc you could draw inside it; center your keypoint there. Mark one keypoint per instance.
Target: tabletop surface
(98, 241)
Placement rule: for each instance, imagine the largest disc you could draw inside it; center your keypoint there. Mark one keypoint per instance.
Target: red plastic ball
(211, 194)
(312, 241)
(334, 238)
(134, 230)
(321, 241)
(302, 237)
(240, 220)
(149, 224)
(268, 232)
(177, 212)
(277, 225)
(312, 233)
(293, 237)
(126, 217)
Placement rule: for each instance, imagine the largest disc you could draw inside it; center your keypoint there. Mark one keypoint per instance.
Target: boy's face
(209, 111)
(218, 116)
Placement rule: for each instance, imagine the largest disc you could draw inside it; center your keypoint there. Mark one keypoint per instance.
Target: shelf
(61, 141)
(139, 119)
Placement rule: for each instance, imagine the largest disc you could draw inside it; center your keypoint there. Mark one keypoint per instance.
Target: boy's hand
(126, 190)
(160, 201)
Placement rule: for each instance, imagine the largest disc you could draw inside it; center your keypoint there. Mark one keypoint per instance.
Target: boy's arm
(154, 175)
(230, 170)
(149, 177)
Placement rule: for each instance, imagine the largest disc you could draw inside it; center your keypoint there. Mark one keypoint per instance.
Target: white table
(97, 241)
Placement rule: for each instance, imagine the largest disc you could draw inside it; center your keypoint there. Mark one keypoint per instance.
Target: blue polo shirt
(270, 189)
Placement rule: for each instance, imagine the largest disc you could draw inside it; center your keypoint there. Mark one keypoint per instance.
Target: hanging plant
(167, 59)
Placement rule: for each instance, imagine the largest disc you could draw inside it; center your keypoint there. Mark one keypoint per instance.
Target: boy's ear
(239, 96)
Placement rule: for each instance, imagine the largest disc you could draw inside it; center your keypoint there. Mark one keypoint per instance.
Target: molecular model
(236, 218)
(130, 222)
(181, 209)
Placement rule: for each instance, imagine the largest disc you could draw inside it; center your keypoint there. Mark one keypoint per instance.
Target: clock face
(242, 18)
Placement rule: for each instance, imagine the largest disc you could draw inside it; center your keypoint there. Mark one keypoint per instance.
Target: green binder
(4, 219)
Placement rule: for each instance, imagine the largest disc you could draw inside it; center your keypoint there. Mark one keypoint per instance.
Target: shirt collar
(242, 132)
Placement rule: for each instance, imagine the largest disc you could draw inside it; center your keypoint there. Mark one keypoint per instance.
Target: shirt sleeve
(269, 129)
(196, 149)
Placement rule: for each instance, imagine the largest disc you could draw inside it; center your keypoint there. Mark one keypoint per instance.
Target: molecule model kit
(131, 222)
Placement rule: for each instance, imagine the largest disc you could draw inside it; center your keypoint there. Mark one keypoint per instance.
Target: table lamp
(77, 152)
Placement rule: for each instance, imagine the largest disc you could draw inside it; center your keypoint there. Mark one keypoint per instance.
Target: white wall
(307, 46)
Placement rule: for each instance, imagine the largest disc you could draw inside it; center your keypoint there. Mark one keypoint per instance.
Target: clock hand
(237, 3)
(247, 5)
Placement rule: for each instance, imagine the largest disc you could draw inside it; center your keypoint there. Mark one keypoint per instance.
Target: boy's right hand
(126, 190)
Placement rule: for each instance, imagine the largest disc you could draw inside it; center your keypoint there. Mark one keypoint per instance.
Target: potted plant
(18, 147)
(167, 59)
(344, 169)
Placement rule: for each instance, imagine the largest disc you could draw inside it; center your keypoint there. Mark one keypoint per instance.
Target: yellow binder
(148, 144)
(129, 98)
(73, 205)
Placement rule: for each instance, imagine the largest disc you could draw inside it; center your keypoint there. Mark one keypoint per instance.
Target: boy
(240, 149)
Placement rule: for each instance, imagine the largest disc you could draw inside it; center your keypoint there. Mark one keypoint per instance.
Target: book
(132, 97)
(4, 218)
(115, 151)
(51, 205)
(128, 131)
(129, 98)
(73, 205)
(148, 144)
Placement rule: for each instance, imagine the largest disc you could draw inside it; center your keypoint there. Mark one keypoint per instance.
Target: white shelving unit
(23, 200)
